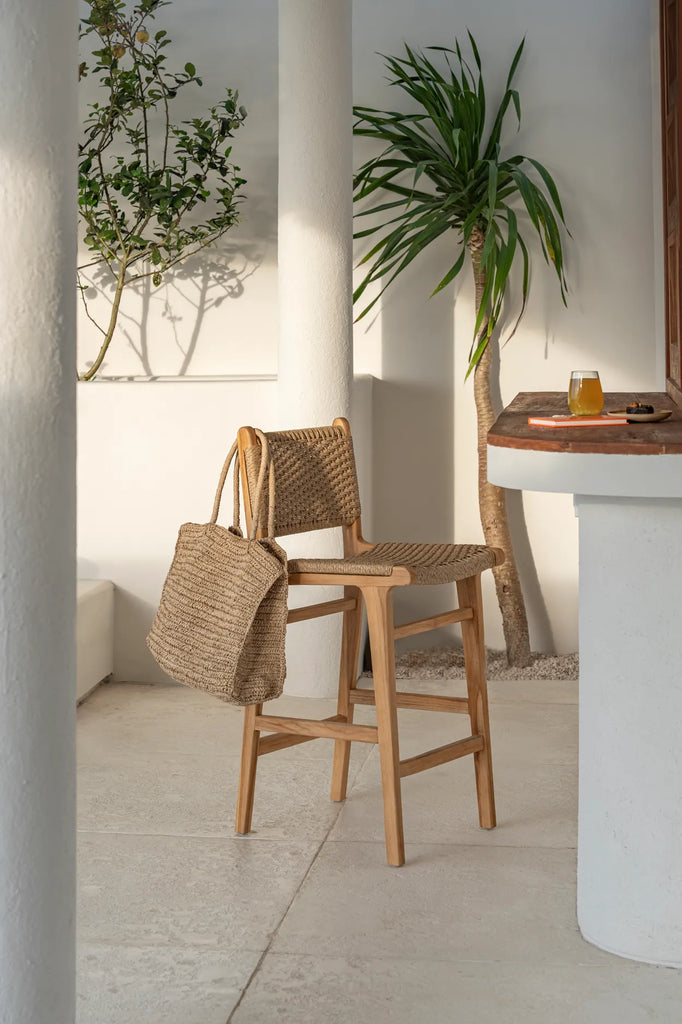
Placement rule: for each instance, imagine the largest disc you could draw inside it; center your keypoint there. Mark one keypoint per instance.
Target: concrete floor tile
(176, 891)
(448, 902)
(525, 733)
(127, 719)
(113, 698)
(334, 990)
(305, 707)
(160, 794)
(537, 805)
(536, 691)
(505, 691)
(534, 733)
(126, 985)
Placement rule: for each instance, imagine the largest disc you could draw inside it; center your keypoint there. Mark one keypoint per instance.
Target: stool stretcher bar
(281, 740)
(441, 755)
(314, 728)
(315, 611)
(416, 701)
(434, 622)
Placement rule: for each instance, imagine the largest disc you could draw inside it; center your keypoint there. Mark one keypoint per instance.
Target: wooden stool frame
(376, 594)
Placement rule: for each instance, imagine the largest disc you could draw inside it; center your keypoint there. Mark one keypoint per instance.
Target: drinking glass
(585, 396)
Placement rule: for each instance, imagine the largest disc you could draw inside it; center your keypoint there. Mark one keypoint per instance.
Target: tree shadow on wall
(414, 444)
(201, 284)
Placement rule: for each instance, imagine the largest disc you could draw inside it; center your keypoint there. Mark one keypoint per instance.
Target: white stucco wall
(588, 113)
(149, 459)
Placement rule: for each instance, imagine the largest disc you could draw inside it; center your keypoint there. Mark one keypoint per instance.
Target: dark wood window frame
(671, 116)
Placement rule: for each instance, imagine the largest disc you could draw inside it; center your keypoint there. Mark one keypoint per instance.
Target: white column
(630, 808)
(315, 210)
(629, 509)
(38, 63)
(315, 268)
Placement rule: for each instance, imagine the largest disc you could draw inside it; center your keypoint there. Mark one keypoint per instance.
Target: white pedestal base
(630, 806)
(630, 817)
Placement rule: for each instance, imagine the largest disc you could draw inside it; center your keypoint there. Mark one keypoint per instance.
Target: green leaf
(474, 49)
(517, 105)
(451, 274)
(549, 183)
(475, 356)
(515, 63)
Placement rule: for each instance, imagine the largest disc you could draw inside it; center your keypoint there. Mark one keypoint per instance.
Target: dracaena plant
(444, 168)
(143, 180)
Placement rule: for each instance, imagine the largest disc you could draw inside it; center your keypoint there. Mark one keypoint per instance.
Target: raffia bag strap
(256, 504)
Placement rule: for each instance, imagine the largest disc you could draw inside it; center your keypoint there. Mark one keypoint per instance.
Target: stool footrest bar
(434, 622)
(441, 755)
(315, 611)
(313, 728)
(282, 740)
(416, 701)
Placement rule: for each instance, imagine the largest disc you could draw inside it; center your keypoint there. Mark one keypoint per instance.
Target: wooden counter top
(511, 429)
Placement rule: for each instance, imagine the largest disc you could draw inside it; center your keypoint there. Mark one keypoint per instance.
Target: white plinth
(630, 805)
(94, 634)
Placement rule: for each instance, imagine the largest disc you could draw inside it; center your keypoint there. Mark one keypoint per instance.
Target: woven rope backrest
(316, 482)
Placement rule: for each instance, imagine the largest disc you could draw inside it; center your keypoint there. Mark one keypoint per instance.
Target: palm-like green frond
(439, 170)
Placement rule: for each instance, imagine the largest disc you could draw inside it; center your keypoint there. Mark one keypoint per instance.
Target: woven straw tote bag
(221, 623)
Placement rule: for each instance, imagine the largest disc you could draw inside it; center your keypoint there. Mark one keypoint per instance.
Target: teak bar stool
(316, 489)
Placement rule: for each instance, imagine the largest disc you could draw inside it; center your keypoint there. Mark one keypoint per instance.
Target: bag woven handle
(265, 460)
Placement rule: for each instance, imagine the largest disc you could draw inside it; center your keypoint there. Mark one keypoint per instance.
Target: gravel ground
(448, 663)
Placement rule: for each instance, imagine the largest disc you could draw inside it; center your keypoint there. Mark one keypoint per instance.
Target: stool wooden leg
(247, 774)
(348, 674)
(379, 602)
(469, 595)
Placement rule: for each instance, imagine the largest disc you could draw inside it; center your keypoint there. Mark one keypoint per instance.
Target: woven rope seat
(429, 563)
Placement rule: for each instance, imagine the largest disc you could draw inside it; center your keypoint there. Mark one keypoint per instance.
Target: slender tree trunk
(120, 284)
(492, 500)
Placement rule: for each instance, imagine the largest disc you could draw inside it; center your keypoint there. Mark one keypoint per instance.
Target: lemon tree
(151, 192)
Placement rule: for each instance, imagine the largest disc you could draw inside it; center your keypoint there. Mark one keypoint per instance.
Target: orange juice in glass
(585, 396)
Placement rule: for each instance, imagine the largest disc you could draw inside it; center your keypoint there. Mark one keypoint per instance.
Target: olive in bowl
(639, 409)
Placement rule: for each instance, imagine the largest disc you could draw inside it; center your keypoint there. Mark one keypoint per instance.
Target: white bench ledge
(94, 634)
